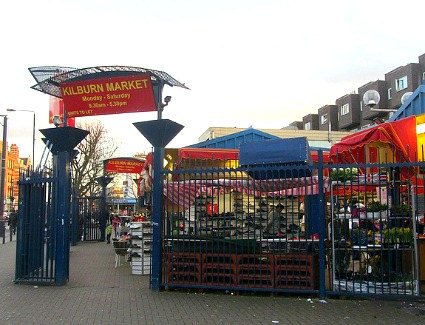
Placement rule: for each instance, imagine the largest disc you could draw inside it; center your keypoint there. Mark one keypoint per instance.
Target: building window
(389, 93)
(361, 106)
(345, 109)
(401, 83)
(307, 126)
(324, 119)
(423, 75)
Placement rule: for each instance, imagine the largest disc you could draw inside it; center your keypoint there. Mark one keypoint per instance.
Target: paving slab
(99, 293)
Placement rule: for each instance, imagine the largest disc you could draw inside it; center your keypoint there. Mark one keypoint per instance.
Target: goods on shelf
(140, 239)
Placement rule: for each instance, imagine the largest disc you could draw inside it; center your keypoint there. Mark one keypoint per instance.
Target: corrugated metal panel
(415, 105)
(234, 141)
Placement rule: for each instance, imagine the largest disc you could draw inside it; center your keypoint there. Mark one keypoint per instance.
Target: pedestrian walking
(108, 233)
(13, 221)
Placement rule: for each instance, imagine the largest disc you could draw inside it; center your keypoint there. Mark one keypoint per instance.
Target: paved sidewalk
(97, 293)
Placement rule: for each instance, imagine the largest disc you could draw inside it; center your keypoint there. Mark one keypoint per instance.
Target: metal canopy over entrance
(49, 78)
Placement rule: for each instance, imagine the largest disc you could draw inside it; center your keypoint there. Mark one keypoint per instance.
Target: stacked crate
(267, 271)
(255, 271)
(219, 269)
(296, 271)
(183, 268)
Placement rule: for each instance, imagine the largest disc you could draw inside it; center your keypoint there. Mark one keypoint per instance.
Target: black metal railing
(341, 228)
(35, 244)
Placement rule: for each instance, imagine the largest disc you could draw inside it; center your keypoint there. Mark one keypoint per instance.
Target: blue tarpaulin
(278, 151)
(286, 153)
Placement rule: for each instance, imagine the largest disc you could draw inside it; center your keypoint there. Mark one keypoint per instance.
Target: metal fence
(375, 229)
(89, 212)
(341, 229)
(35, 244)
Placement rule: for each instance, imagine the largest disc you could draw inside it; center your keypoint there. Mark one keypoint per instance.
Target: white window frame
(423, 75)
(324, 119)
(389, 93)
(401, 83)
(344, 109)
(307, 126)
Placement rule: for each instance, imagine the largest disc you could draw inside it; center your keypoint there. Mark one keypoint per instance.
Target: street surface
(98, 293)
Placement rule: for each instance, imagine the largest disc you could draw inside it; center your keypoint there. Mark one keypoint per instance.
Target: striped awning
(183, 193)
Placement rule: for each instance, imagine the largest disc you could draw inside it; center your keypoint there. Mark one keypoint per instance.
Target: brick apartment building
(348, 113)
(14, 166)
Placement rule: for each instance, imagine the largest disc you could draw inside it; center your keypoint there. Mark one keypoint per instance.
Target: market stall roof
(208, 153)
(49, 78)
(414, 105)
(175, 155)
(234, 140)
(401, 135)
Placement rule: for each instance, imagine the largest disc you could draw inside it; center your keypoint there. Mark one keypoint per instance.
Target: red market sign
(56, 109)
(104, 96)
(124, 165)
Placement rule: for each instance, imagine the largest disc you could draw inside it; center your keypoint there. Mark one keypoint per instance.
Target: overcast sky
(247, 63)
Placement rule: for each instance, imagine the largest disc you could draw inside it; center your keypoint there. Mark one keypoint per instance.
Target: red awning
(401, 135)
(207, 153)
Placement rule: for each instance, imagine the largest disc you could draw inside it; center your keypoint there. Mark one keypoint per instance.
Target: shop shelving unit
(140, 247)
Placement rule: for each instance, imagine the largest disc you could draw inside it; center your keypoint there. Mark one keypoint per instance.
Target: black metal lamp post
(64, 140)
(159, 133)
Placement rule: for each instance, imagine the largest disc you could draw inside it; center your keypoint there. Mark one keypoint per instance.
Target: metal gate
(374, 229)
(35, 244)
(89, 218)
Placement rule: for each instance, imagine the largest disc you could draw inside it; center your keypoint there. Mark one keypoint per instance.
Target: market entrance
(82, 92)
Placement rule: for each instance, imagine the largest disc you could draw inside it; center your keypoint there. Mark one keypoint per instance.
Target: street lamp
(371, 98)
(33, 129)
(3, 166)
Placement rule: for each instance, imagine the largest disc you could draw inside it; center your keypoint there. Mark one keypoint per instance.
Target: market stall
(373, 219)
(244, 231)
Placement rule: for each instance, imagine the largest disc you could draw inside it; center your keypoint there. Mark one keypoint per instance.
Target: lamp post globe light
(371, 98)
(33, 129)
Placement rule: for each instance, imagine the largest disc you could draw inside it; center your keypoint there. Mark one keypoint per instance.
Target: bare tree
(88, 165)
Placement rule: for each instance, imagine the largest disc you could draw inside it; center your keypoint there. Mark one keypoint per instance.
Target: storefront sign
(113, 95)
(124, 165)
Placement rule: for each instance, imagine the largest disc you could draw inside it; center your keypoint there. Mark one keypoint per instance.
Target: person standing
(13, 221)
(108, 233)
(116, 221)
